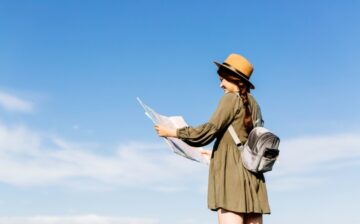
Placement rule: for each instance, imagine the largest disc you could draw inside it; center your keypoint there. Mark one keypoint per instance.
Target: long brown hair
(244, 90)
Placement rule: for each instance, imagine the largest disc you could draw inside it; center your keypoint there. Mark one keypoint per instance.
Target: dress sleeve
(220, 119)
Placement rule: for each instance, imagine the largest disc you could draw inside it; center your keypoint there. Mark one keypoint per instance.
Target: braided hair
(244, 90)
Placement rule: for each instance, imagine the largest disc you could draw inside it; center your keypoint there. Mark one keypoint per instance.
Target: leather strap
(234, 135)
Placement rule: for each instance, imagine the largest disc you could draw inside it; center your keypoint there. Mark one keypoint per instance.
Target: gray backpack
(261, 150)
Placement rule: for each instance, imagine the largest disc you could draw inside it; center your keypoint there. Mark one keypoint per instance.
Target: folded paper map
(177, 146)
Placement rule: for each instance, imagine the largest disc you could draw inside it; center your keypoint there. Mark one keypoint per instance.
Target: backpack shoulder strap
(231, 129)
(234, 135)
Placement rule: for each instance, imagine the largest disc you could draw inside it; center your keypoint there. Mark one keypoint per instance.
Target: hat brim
(234, 73)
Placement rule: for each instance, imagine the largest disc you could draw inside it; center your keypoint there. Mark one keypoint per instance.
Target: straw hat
(238, 66)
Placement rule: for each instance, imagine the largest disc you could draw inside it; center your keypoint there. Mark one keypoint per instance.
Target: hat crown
(240, 63)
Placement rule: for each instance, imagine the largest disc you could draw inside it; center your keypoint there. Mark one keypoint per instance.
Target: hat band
(232, 68)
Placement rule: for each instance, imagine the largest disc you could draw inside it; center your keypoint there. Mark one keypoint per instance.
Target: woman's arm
(206, 133)
(203, 134)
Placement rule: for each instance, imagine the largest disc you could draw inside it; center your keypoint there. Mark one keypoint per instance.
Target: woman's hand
(165, 132)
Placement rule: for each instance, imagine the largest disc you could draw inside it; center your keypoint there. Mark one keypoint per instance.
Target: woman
(238, 195)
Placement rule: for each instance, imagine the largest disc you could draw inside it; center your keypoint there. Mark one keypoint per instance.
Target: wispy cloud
(13, 103)
(304, 154)
(302, 158)
(79, 219)
(30, 158)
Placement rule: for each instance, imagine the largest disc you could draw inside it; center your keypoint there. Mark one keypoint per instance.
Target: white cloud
(79, 219)
(29, 158)
(300, 155)
(13, 103)
(303, 160)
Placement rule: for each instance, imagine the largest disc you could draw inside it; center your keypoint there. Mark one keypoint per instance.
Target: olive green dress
(230, 186)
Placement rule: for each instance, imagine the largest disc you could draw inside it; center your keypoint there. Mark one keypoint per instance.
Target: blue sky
(75, 146)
